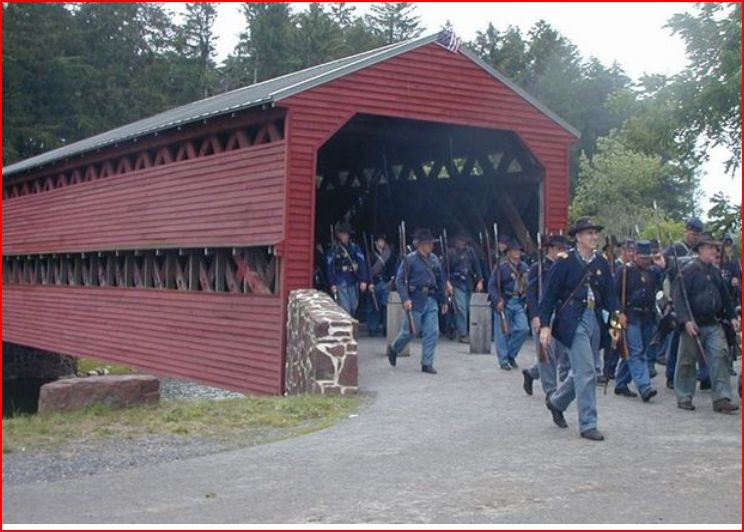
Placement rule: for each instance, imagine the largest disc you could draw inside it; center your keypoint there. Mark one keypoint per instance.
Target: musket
(542, 355)
(683, 289)
(367, 256)
(623, 344)
(489, 255)
(497, 266)
(445, 260)
(333, 237)
(656, 220)
(402, 228)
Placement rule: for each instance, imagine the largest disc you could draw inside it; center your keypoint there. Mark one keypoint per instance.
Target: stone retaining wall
(322, 346)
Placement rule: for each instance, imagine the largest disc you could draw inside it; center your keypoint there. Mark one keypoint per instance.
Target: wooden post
(481, 324)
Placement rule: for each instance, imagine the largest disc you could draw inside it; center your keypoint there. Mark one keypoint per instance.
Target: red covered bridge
(171, 244)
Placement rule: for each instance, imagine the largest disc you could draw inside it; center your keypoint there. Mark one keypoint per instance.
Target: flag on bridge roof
(449, 40)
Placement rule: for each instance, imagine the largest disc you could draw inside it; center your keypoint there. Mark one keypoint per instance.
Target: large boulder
(110, 390)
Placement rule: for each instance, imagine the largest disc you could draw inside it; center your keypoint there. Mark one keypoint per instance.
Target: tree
(506, 51)
(264, 50)
(711, 106)
(394, 21)
(196, 47)
(724, 216)
(618, 187)
(318, 38)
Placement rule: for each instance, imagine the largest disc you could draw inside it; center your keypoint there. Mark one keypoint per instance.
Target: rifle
(683, 290)
(623, 343)
(542, 354)
(445, 260)
(610, 255)
(489, 255)
(371, 287)
(402, 233)
(333, 237)
(502, 314)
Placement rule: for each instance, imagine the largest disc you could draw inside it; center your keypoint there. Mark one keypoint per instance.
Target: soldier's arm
(400, 281)
(362, 261)
(679, 302)
(532, 296)
(493, 291)
(556, 278)
(475, 265)
(610, 297)
(440, 281)
(728, 305)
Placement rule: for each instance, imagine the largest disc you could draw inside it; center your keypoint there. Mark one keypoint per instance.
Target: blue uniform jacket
(346, 264)
(509, 281)
(464, 267)
(565, 275)
(424, 279)
(640, 291)
(532, 287)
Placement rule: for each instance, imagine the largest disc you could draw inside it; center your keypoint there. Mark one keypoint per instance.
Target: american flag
(449, 40)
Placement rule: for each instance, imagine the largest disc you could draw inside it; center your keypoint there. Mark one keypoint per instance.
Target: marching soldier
(420, 283)
(508, 299)
(382, 271)
(702, 301)
(578, 288)
(347, 270)
(636, 283)
(731, 268)
(682, 249)
(464, 273)
(557, 359)
(627, 253)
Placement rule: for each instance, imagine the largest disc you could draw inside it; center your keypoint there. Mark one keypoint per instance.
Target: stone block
(110, 390)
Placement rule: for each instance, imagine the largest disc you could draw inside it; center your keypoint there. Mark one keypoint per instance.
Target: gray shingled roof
(264, 93)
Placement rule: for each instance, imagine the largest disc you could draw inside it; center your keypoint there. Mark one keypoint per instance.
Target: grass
(87, 364)
(249, 419)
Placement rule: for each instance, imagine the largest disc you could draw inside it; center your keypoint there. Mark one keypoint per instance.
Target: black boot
(392, 356)
(527, 385)
(648, 395)
(625, 392)
(428, 369)
(558, 418)
(592, 434)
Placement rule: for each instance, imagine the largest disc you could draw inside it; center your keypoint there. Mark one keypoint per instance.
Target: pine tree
(394, 21)
(197, 43)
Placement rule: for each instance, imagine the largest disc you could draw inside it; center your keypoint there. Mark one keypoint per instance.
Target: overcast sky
(632, 34)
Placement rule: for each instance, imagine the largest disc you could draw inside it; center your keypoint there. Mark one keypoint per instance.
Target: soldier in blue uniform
(708, 302)
(464, 274)
(382, 272)
(684, 250)
(643, 278)
(557, 360)
(578, 288)
(422, 296)
(347, 270)
(731, 272)
(509, 298)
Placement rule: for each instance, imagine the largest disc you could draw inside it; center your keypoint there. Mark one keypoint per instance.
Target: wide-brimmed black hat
(707, 239)
(344, 227)
(423, 236)
(583, 224)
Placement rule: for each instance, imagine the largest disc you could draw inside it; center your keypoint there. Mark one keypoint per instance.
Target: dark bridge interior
(377, 171)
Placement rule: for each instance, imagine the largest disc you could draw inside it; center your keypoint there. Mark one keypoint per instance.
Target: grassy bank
(252, 419)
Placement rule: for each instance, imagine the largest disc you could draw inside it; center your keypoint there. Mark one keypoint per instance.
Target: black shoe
(625, 392)
(392, 356)
(670, 384)
(505, 366)
(724, 406)
(558, 418)
(685, 405)
(428, 369)
(652, 373)
(592, 434)
(705, 384)
(528, 379)
(513, 363)
(648, 395)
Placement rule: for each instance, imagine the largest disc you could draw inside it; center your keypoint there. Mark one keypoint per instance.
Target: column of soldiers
(576, 301)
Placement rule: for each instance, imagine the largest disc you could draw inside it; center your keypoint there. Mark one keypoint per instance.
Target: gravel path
(464, 446)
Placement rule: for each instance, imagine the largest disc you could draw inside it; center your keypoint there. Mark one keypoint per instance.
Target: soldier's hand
(479, 286)
(622, 319)
(408, 305)
(333, 288)
(660, 261)
(691, 328)
(362, 287)
(734, 281)
(545, 337)
(500, 305)
(445, 309)
(736, 324)
(449, 288)
(536, 324)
